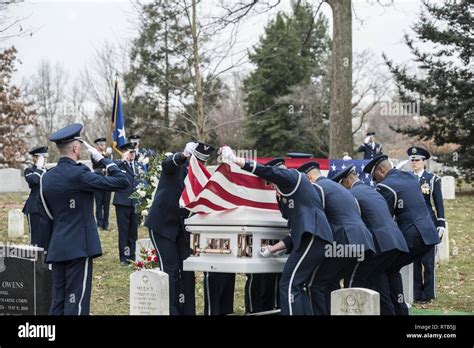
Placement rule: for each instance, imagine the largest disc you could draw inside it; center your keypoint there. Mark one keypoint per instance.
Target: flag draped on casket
(338, 165)
(227, 188)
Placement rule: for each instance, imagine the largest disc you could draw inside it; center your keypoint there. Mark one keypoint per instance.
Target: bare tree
(12, 26)
(97, 81)
(48, 89)
(370, 86)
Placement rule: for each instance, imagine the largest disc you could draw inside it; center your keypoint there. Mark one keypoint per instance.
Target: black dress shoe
(124, 263)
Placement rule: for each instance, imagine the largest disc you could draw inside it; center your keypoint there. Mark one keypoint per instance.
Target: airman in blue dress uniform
(424, 267)
(388, 239)
(166, 224)
(261, 289)
(102, 198)
(347, 227)
(405, 201)
(33, 176)
(127, 220)
(309, 231)
(67, 196)
(370, 148)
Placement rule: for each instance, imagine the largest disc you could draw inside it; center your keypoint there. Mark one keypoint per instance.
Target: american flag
(230, 187)
(337, 165)
(227, 188)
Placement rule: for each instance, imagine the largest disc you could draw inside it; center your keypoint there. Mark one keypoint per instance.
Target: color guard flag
(118, 124)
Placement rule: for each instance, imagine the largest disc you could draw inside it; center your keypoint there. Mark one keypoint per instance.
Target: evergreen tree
(293, 51)
(444, 87)
(159, 74)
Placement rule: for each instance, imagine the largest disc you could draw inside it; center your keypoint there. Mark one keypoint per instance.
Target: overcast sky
(68, 32)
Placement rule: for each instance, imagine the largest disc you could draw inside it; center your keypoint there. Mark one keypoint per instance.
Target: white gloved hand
(95, 154)
(40, 162)
(440, 232)
(227, 154)
(264, 252)
(366, 140)
(189, 149)
(108, 150)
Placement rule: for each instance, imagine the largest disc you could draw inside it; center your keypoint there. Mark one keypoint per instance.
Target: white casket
(229, 241)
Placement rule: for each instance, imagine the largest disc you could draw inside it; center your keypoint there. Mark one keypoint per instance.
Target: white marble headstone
(448, 187)
(408, 282)
(142, 243)
(149, 293)
(16, 223)
(10, 179)
(355, 301)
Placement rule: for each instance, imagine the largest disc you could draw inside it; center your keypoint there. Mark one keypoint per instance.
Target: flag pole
(114, 119)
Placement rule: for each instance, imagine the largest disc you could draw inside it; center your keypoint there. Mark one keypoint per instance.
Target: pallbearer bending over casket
(309, 233)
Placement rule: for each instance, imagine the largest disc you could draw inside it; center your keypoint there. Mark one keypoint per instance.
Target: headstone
(448, 187)
(11, 180)
(407, 279)
(149, 293)
(16, 223)
(355, 301)
(25, 281)
(442, 249)
(142, 243)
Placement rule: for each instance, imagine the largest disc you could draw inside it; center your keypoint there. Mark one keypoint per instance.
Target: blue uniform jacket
(343, 214)
(32, 177)
(165, 216)
(431, 189)
(377, 218)
(123, 197)
(67, 195)
(370, 153)
(405, 201)
(298, 201)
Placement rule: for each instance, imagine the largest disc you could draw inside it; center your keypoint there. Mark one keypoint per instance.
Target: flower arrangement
(148, 182)
(149, 260)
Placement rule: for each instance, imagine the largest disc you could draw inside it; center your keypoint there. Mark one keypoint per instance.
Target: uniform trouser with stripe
(102, 208)
(325, 280)
(372, 274)
(35, 228)
(72, 285)
(171, 254)
(424, 276)
(297, 272)
(261, 292)
(128, 230)
(417, 249)
(219, 293)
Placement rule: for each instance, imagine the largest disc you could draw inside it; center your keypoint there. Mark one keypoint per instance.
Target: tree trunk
(340, 116)
(198, 80)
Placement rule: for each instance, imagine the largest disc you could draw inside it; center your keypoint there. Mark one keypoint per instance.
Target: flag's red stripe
(195, 184)
(185, 197)
(242, 179)
(207, 203)
(217, 189)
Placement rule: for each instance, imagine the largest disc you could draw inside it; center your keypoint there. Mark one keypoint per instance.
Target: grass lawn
(110, 295)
